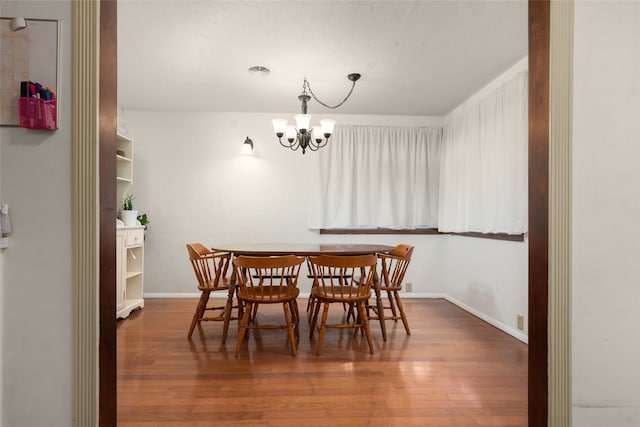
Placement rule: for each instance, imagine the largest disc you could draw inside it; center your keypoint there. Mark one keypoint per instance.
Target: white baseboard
(417, 295)
(519, 335)
(174, 295)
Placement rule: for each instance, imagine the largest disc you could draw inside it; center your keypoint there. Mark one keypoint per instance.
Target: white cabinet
(129, 240)
(129, 270)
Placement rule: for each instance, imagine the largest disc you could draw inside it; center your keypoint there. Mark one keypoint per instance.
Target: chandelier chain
(306, 85)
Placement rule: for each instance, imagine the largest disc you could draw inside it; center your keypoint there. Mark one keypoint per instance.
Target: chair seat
(244, 294)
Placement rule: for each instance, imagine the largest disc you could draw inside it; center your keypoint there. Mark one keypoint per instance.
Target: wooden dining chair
(393, 268)
(346, 280)
(268, 280)
(210, 269)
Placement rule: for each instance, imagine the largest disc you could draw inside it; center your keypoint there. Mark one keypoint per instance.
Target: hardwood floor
(454, 370)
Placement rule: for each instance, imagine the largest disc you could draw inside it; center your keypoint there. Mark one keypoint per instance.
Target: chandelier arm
(283, 144)
(295, 144)
(353, 85)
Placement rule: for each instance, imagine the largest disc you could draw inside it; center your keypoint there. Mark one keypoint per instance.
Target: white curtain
(483, 180)
(377, 177)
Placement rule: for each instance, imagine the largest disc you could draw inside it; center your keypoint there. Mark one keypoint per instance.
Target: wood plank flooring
(454, 370)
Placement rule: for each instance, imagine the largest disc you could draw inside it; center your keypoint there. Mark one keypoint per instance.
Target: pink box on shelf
(36, 113)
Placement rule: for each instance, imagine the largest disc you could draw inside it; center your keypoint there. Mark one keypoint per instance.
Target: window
(378, 177)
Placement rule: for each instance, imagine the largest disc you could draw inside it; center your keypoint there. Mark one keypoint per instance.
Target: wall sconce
(247, 147)
(18, 24)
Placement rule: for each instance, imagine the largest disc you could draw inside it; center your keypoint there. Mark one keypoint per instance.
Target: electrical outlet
(408, 287)
(521, 322)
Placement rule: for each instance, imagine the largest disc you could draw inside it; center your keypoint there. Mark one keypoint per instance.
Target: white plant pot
(129, 217)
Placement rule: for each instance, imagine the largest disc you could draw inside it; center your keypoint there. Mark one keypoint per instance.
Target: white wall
(35, 179)
(191, 179)
(606, 210)
(488, 278)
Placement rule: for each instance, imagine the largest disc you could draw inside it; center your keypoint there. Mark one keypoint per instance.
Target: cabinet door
(121, 270)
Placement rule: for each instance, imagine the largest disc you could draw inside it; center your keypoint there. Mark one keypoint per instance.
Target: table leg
(229, 307)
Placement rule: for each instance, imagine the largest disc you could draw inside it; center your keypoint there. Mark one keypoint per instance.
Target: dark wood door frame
(539, 47)
(107, 405)
(539, 24)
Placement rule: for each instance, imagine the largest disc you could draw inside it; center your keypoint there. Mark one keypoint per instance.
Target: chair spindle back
(267, 278)
(394, 266)
(343, 276)
(208, 266)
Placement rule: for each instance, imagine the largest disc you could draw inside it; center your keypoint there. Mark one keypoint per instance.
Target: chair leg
(357, 326)
(380, 313)
(289, 321)
(197, 316)
(350, 313)
(255, 312)
(314, 319)
(293, 305)
(365, 325)
(227, 313)
(323, 326)
(392, 305)
(405, 322)
(243, 327)
(311, 302)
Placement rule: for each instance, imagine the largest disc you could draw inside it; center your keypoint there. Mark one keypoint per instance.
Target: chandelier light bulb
(327, 127)
(292, 133)
(279, 127)
(302, 122)
(317, 134)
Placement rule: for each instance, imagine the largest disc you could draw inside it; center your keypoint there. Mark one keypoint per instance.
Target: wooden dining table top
(302, 249)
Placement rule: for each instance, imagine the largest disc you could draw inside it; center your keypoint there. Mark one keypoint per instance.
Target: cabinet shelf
(132, 274)
(124, 165)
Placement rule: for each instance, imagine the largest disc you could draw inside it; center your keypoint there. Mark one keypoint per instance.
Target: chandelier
(300, 135)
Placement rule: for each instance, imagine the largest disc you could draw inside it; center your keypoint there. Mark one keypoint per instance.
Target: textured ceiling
(415, 57)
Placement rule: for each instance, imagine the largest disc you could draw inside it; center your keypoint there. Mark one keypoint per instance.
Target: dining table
(299, 249)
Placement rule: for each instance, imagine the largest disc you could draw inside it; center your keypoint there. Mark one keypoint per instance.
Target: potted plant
(143, 220)
(127, 214)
